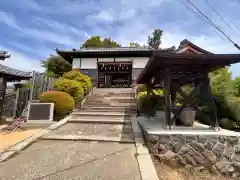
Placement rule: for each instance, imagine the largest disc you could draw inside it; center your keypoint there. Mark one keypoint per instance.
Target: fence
(16, 101)
(40, 83)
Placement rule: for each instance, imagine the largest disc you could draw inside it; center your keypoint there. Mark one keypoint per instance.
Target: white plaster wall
(76, 63)
(123, 59)
(105, 59)
(89, 63)
(140, 62)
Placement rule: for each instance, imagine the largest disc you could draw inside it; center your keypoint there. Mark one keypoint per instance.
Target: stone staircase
(105, 116)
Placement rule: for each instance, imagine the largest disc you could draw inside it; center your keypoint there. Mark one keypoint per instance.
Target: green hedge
(73, 88)
(83, 79)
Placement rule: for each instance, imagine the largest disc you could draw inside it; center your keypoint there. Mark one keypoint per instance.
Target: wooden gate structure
(176, 70)
(8, 74)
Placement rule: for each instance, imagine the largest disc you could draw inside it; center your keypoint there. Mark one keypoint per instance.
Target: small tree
(133, 44)
(236, 86)
(96, 42)
(56, 66)
(83, 79)
(154, 41)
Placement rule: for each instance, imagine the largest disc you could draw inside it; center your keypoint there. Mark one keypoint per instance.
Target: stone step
(123, 100)
(94, 130)
(113, 90)
(99, 116)
(99, 120)
(111, 101)
(109, 105)
(96, 113)
(71, 137)
(107, 109)
(108, 94)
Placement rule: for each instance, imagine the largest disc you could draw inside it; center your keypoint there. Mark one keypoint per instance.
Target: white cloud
(57, 25)
(48, 36)
(8, 19)
(44, 35)
(29, 4)
(105, 15)
(21, 62)
(65, 24)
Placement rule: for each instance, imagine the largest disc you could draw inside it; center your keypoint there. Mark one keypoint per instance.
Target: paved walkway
(71, 152)
(73, 160)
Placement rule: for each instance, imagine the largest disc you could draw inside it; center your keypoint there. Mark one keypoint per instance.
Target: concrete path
(93, 145)
(73, 160)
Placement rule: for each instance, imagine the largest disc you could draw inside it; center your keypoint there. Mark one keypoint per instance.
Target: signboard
(40, 112)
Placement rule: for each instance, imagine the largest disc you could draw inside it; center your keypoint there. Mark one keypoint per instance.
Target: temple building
(118, 67)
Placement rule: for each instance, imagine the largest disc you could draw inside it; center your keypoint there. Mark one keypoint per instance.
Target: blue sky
(32, 29)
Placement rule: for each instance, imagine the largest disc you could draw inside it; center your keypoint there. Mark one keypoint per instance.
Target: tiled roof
(123, 49)
(14, 72)
(185, 42)
(4, 54)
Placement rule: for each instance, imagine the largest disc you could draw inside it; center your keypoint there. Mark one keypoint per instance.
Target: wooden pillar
(211, 103)
(97, 78)
(2, 93)
(167, 99)
(173, 91)
(148, 86)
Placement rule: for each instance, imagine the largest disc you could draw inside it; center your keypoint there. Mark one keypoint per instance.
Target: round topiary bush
(83, 79)
(72, 87)
(63, 103)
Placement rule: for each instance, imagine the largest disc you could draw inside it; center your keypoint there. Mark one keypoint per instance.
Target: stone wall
(215, 153)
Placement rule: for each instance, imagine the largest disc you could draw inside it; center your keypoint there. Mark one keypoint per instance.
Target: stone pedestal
(160, 115)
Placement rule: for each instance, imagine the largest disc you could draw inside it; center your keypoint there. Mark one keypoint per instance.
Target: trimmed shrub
(83, 79)
(229, 112)
(229, 124)
(73, 88)
(149, 105)
(63, 103)
(141, 88)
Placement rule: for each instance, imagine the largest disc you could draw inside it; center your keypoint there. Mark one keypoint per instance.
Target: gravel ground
(168, 172)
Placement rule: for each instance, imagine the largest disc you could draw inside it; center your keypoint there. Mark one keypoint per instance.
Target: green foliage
(96, 42)
(63, 102)
(81, 78)
(149, 105)
(229, 124)
(73, 88)
(56, 66)
(236, 86)
(135, 45)
(221, 83)
(154, 41)
(142, 87)
(28, 85)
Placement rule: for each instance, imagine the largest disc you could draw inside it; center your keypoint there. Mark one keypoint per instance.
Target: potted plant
(187, 116)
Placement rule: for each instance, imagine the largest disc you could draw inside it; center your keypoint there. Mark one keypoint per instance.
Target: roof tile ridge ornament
(5, 54)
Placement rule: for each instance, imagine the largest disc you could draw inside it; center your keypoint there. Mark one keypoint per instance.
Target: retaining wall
(212, 152)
